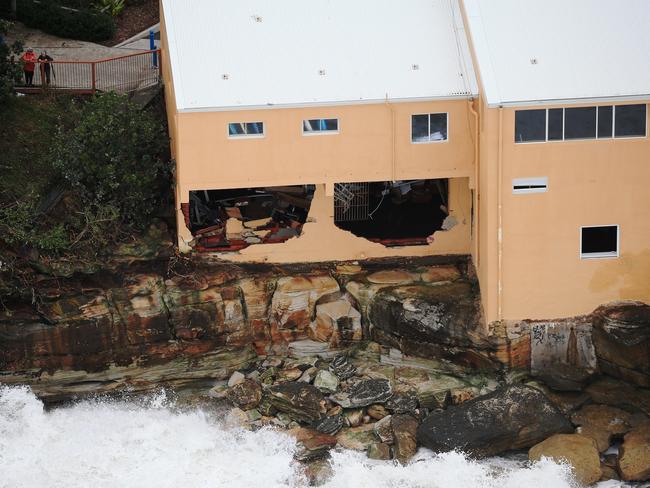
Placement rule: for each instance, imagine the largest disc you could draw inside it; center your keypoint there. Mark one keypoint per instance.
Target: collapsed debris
(230, 220)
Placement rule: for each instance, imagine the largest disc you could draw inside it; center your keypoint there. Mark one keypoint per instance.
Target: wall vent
(530, 185)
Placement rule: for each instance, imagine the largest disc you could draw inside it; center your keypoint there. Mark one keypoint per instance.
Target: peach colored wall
(365, 149)
(591, 182)
(321, 240)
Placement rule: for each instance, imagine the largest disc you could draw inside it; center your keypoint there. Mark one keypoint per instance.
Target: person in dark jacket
(48, 68)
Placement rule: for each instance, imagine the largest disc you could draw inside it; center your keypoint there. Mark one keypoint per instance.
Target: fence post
(93, 72)
(41, 69)
(152, 47)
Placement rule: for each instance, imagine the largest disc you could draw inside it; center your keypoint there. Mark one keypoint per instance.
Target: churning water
(151, 443)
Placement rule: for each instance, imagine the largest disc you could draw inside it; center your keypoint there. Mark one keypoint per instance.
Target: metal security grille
(351, 201)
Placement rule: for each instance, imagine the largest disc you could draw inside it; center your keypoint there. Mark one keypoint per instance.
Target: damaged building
(342, 131)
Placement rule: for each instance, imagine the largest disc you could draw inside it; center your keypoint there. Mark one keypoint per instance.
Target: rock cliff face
(136, 328)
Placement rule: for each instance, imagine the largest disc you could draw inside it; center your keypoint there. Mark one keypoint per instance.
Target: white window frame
(429, 114)
(613, 136)
(321, 132)
(541, 182)
(601, 255)
(246, 136)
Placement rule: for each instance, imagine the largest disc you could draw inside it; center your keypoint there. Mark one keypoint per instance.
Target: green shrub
(50, 17)
(115, 156)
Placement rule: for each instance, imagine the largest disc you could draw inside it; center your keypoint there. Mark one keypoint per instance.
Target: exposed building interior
(232, 219)
(398, 213)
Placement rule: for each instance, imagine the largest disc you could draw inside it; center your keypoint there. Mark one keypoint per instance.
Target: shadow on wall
(630, 274)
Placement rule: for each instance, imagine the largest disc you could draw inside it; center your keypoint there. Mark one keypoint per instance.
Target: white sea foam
(152, 444)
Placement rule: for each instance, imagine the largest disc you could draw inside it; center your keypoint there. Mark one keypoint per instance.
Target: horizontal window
(574, 123)
(243, 129)
(599, 241)
(429, 127)
(529, 185)
(312, 126)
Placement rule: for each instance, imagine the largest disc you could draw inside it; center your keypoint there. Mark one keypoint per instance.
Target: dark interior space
(393, 213)
(261, 215)
(599, 240)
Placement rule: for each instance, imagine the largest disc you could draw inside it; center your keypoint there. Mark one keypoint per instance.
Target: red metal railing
(121, 74)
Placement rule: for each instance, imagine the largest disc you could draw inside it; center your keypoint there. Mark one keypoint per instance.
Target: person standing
(46, 59)
(29, 64)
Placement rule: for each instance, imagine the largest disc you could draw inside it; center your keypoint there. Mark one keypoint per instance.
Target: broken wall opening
(233, 219)
(393, 213)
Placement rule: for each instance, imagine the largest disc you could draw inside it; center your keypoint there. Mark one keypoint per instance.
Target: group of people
(30, 60)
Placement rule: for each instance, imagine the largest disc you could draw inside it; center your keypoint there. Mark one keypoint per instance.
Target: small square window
(315, 126)
(429, 128)
(246, 129)
(580, 123)
(599, 241)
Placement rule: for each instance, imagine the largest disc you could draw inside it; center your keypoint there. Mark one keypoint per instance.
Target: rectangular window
(580, 123)
(530, 125)
(429, 128)
(246, 129)
(319, 126)
(599, 241)
(529, 185)
(605, 122)
(629, 120)
(556, 124)
(565, 124)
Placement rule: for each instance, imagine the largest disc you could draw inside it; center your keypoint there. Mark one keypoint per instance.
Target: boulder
(384, 429)
(290, 374)
(364, 393)
(634, 455)
(336, 322)
(601, 423)
(377, 411)
(330, 424)
(379, 451)
(236, 378)
(301, 401)
(245, 395)
(326, 382)
(342, 368)
(357, 438)
(621, 337)
(514, 417)
(403, 403)
(404, 434)
(353, 418)
(578, 451)
(311, 444)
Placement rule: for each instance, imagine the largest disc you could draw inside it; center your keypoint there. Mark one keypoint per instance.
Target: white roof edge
(572, 101)
(173, 54)
(476, 32)
(327, 104)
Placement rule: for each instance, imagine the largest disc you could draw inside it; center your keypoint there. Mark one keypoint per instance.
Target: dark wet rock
(431, 321)
(404, 434)
(311, 444)
(379, 451)
(342, 368)
(364, 393)
(245, 395)
(609, 391)
(621, 337)
(578, 451)
(329, 425)
(403, 403)
(301, 401)
(565, 377)
(514, 417)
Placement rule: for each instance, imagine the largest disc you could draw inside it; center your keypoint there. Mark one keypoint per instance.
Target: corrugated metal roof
(253, 53)
(553, 50)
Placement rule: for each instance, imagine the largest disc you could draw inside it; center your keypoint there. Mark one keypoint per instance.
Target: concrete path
(65, 49)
